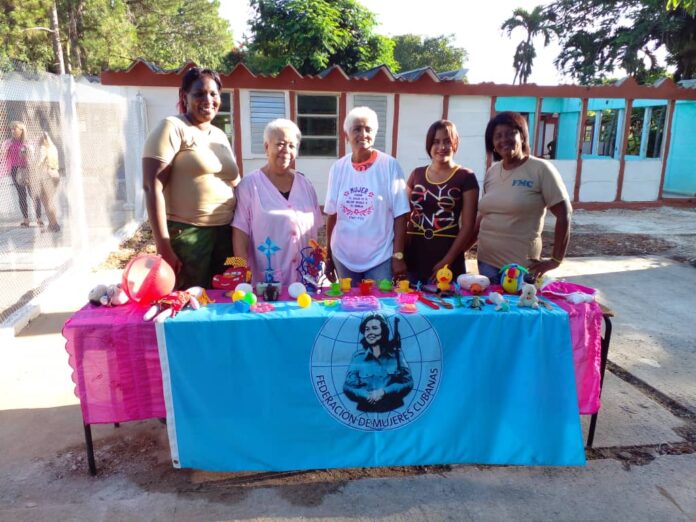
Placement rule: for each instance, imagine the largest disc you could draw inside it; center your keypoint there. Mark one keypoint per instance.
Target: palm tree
(536, 23)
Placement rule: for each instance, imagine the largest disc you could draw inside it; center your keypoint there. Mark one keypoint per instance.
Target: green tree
(598, 37)
(688, 5)
(412, 51)
(312, 35)
(535, 23)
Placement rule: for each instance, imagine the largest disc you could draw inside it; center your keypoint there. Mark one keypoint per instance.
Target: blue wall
(680, 177)
(567, 145)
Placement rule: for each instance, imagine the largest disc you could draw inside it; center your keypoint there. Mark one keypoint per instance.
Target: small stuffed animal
(108, 295)
(501, 304)
(474, 283)
(528, 297)
(173, 303)
(512, 277)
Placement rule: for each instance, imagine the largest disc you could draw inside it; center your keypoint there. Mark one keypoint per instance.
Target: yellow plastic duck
(444, 278)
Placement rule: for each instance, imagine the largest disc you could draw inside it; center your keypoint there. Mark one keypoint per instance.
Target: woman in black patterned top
(444, 202)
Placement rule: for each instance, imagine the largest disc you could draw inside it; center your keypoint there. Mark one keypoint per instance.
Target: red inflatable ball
(147, 278)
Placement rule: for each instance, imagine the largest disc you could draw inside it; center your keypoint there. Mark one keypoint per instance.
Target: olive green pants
(202, 251)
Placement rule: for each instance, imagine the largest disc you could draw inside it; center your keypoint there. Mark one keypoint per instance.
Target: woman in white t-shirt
(367, 207)
(517, 190)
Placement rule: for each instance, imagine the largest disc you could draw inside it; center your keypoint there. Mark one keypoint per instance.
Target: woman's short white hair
(279, 125)
(361, 113)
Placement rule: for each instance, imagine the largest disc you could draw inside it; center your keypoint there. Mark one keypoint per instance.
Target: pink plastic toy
(407, 303)
(147, 278)
(359, 303)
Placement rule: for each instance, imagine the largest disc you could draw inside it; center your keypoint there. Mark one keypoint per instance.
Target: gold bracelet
(559, 261)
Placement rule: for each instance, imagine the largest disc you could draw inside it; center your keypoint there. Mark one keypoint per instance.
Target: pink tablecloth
(117, 375)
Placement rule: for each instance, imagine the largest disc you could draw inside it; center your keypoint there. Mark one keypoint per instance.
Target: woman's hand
(537, 268)
(167, 252)
(399, 269)
(330, 269)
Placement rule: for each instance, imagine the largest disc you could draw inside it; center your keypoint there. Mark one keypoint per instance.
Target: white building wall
(471, 114)
(599, 180)
(641, 180)
(416, 114)
(567, 170)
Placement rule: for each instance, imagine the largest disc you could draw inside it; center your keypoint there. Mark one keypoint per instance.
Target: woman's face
(442, 150)
(281, 149)
(361, 135)
(203, 100)
(373, 332)
(16, 133)
(507, 141)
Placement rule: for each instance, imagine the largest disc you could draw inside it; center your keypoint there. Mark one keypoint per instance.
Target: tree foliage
(535, 23)
(99, 34)
(412, 51)
(311, 35)
(598, 37)
(688, 5)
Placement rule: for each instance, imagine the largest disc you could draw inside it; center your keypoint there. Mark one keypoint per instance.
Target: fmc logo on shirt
(522, 183)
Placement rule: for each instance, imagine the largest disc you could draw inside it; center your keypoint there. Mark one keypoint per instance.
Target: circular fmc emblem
(376, 371)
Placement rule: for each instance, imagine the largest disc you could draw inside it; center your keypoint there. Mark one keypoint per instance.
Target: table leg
(90, 450)
(605, 355)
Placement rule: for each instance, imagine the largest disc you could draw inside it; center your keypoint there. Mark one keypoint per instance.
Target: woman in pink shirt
(276, 202)
(15, 155)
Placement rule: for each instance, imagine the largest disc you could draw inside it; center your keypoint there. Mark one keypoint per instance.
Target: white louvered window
(379, 105)
(266, 106)
(317, 118)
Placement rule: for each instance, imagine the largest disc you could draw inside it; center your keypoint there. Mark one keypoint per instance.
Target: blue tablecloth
(279, 391)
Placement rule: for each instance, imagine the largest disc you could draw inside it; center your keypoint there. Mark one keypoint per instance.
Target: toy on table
(444, 278)
(173, 303)
(512, 277)
(238, 272)
(296, 289)
(403, 286)
(330, 303)
(385, 285)
(366, 286)
(501, 304)
(108, 295)
(243, 301)
(334, 290)
(312, 265)
(476, 303)
(244, 287)
(474, 283)
(528, 297)
(407, 302)
(458, 296)
(304, 300)
(147, 278)
(346, 284)
(270, 292)
(262, 308)
(359, 303)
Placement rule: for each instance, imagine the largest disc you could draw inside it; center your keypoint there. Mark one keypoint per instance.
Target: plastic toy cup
(404, 285)
(345, 284)
(335, 288)
(366, 286)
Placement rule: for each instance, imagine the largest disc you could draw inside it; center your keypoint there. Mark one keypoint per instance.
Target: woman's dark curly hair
(514, 120)
(192, 75)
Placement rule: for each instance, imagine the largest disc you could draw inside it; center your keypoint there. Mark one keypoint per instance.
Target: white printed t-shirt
(366, 204)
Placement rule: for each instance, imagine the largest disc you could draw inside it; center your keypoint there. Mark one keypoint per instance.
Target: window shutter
(265, 107)
(379, 105)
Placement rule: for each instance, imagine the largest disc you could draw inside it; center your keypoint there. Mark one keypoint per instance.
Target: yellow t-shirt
(512, 210)
(200, 189)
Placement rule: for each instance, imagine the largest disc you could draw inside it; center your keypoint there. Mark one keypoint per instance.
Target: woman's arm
(330, 268)
(467, 232)
(155, 178)
(561, 236)
(399, 269)
(240, 244)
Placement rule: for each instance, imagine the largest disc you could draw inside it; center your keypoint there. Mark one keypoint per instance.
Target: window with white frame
(265, 106)
(224, 118)
(317, 118)
(645, 132)
(599, 137)
(378, 104)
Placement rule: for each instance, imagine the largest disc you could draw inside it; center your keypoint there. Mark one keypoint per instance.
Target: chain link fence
(68, 205)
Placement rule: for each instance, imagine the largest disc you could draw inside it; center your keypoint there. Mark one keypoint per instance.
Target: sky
(476, 27)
